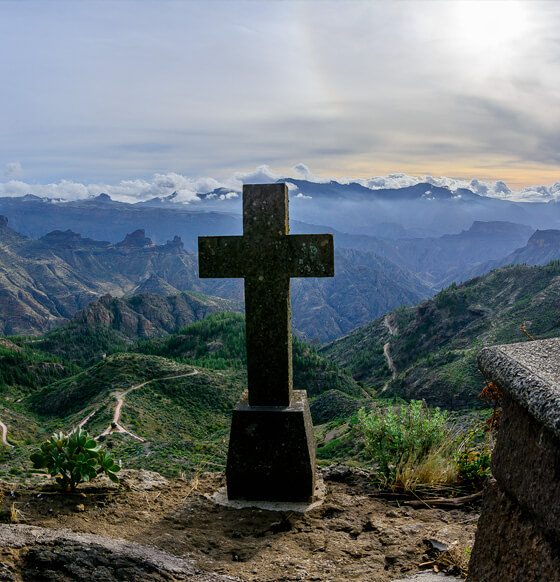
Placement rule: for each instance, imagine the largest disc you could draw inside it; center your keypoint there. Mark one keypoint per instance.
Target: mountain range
(418, 211)
(44, 282)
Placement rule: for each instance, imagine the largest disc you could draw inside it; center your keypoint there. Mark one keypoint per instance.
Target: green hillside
(117, 372)
(218, 342)
(178, 415)
(177, 391)
(112, 324)
(435, 343)
(23, 369)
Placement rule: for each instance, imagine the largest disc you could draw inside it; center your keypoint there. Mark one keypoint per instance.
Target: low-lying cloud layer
(186, 190)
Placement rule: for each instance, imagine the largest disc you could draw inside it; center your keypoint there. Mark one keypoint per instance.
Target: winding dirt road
(392, 331)
(115, 426)
(5, 434)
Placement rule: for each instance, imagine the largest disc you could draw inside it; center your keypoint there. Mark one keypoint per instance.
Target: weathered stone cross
(271, 452)
(267, 257)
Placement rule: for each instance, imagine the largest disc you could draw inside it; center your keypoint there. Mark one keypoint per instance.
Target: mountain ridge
(433, 345)
(44, 282)
(421, 210)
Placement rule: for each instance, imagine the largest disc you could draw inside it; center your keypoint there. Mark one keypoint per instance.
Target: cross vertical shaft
(267, 256)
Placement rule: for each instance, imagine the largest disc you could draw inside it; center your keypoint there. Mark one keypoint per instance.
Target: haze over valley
(60, 255)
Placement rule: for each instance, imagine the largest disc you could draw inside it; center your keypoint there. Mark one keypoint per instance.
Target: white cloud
(13, 170)
(292, 187)
(304, 173)
(161, 185)
(262, 175)
(186, 189)
(389, 182)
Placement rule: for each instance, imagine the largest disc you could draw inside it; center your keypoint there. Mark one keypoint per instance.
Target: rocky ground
(184, 535)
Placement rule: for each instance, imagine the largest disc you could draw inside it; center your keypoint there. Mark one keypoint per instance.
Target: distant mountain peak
(136, 239)
(177, 242)
(497, 227)
(545, 238)
(33, 198)
(60, 236)
(103, 198)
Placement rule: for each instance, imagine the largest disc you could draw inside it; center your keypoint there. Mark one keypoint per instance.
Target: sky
(129, 93)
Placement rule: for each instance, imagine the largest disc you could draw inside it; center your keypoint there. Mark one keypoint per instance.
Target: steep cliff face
(149, 315)
(541, 248)
(545, 238)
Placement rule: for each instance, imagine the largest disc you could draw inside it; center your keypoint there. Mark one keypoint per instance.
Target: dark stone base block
(271, 453)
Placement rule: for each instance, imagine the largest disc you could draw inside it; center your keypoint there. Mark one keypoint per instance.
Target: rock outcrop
(36, 553)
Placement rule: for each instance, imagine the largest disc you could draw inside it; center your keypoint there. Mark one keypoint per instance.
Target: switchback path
(5, 434)
(392, 331)
(115, 426)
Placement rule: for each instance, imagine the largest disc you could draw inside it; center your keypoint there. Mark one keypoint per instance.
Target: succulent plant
(74, 458)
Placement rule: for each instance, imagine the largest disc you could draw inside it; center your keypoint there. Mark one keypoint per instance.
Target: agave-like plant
(74, 458)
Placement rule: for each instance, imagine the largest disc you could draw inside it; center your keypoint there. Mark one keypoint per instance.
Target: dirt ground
(353, 535)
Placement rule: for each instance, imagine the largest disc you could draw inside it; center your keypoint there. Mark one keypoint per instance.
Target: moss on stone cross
(267, 256)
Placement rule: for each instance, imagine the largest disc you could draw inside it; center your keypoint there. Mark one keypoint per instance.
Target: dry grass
(455, 560)
(16, 515)
(437, 468)
(457, 557)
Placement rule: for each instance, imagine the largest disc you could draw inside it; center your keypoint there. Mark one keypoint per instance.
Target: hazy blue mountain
(422, 210)
(542, 247)
(44, 282)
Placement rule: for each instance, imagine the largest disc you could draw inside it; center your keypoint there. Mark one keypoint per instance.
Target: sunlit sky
(101, 91)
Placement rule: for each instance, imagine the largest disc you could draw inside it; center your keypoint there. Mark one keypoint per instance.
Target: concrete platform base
(220, 497)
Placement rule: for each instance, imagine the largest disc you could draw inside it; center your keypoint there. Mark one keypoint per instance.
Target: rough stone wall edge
(532, 392)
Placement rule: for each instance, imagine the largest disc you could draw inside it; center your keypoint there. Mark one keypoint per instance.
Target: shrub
(74, 458)
(473, 461)
(398, 439)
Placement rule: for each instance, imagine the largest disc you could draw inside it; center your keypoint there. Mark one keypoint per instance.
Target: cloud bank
(186, 190)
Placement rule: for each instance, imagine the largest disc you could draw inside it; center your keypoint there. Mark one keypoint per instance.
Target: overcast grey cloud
(99, 92)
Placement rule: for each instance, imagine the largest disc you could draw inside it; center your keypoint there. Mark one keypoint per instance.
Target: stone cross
(267, 256)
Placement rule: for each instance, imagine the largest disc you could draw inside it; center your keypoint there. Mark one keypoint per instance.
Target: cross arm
(311, 255)
(221, 257)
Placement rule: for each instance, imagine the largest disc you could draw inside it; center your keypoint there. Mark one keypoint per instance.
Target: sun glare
(489, 28)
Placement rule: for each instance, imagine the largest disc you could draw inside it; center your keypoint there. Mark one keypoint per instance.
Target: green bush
(393, 439)
(473, 462)
(74, 458)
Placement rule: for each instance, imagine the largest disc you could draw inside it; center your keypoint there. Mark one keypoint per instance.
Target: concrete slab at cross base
(220, 498)
(271, 454)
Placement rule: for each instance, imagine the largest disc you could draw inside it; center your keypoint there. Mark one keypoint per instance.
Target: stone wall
(518, 537)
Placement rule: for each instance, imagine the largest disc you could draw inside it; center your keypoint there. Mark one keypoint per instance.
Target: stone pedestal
(272, 452)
